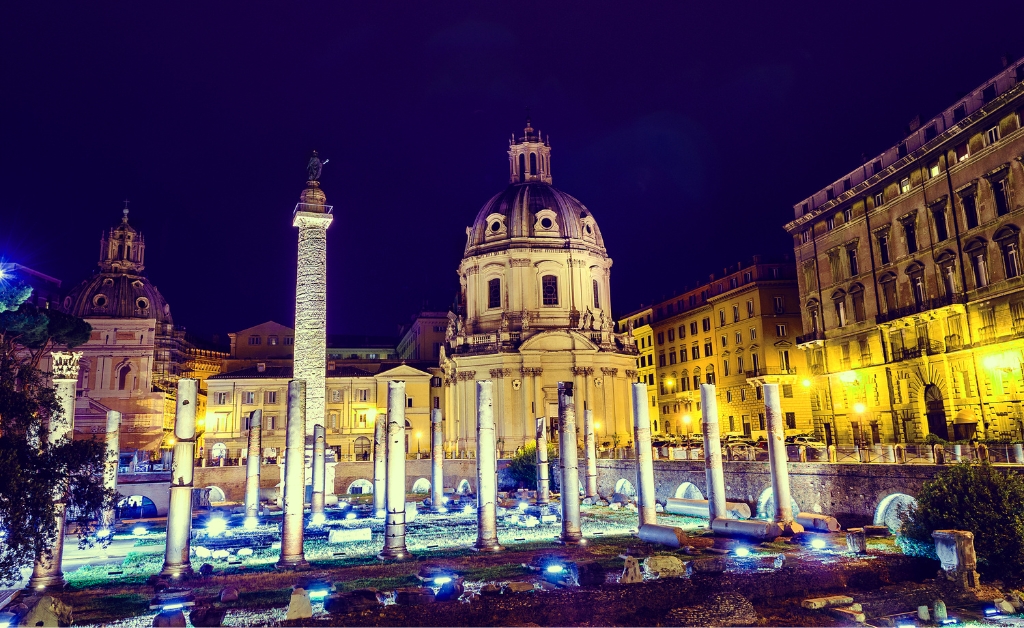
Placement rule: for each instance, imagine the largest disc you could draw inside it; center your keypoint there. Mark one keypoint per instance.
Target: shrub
(522, 468)
(982, 500)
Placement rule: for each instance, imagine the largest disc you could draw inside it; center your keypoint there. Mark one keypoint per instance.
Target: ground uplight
(742, 551)
(139, 531)
(818, 543)
(216, 526)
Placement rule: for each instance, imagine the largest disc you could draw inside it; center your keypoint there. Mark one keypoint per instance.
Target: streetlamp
(686, 421)
(418, 434)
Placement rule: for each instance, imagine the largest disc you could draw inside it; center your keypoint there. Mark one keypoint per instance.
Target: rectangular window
(753, 333)
(970, 211)
(910, 232)
(960, 112)
(693, 328)
(748, 277)
(879, 199)
(859, 313)
(847, 215)
(830, 223)
(671, 335)
(408, 402)
(750, 309)
(661, 337)
(682, 332)
(735, 313)
(791, 420)
(255, 340)
(883, 248)
(270, 396)
(941, 229)
(721, 317)
(335, 396)
(780, 331)
(933, 170)
(780, 304)
(992, 136)
(1000, 191)
(363, 394)
(739, 337)
(725, 340)
(272, 340)
(708, 350)
(549, 289)
(851, 256)
(220, 398)
(905, 185)
(661, 359)
(901, 150)
(289, 340)
(725, 365)
(672, 356)
(494, 293)
(787, 391)
(249, 397)
(597, 296)
(706, 323)
(743, 390)
(695, 352)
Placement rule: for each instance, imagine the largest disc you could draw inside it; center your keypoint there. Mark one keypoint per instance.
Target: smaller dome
(113, 295)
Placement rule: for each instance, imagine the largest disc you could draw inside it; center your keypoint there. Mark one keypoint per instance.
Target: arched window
(696, 378)
(947, 268)
(494, 293)
(684, 380)
(916, 273)
(888, 282)
(710, 374)
(839, 301)
(814, 312)
(533, 163)
(122, 376)
(522, 167)
(549, 290)
(597, 295)
(1009, 248)
(977, 252)
(361, 448)
(857, 296)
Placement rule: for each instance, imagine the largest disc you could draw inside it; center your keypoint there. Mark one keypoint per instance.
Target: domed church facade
(534, 309)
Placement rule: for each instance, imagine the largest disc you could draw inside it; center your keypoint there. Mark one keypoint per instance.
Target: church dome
(530, 212)
(118, 289)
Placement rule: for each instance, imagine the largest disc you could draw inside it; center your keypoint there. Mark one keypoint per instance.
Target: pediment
(557, 340)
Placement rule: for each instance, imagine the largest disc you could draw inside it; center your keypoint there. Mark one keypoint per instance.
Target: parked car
(807, 441)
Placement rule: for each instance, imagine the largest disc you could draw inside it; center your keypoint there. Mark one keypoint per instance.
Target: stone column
(712, 454)
(543, 481)
(777, 458)
(179, 511)
(486, 470)
(294, 485)
(436, 462)
(394, 523)
(316, 505)
(380, 446)
(590, 453)
(571, 532)
(312, 216)
(644, 457)
(110, 467)
(47, 570)
(253, 462)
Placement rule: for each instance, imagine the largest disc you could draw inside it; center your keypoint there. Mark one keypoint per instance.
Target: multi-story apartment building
(911, 280)
(647, 371)
(423, 337)
(736, 331)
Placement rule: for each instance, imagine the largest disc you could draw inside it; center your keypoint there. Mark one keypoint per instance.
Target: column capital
(306, 220)
(65, 364)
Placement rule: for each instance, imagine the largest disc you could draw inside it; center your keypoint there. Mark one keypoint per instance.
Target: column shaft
(644, 456)
(436, 461)
(179, 512)
(569, 461)
(777, 458)
(486, 470)
(394, 523)
(543, 480)
(316, 506)
(253, 462)
(712, 453)
(113, 453)
(310, 349)
(590, 453)
(294, 489)
(380, 469)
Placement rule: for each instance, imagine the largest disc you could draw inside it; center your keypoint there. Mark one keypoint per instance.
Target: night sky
(689, 131)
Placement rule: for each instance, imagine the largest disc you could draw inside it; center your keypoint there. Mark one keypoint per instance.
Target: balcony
(919, 308)
(771, 374)
(808, 338)
(923, 348)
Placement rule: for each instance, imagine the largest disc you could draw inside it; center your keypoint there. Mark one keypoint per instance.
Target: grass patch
(102, 609)
(381, 584)
(507, 571)
(269, 598)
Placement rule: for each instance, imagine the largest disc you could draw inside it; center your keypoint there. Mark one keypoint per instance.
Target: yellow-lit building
(912, 282)
(736, 331)
(643, 337)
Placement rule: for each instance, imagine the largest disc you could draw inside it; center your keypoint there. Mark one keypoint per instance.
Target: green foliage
(522, 468)
(982, 500)
(932, 439)
(13, 296)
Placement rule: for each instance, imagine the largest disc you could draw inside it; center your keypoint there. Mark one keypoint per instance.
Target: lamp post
(418, 434)
(686, 421)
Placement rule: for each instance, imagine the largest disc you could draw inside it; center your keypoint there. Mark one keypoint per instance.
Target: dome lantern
(529, 157)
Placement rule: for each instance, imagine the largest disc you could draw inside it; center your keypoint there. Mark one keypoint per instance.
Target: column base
(571, 539)
(176, 571)
(292, 563)
(488, 547)
(789, 528)
(396, 554)
(49, 581)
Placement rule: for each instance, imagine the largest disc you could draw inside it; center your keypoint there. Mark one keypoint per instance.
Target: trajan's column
(312, 216)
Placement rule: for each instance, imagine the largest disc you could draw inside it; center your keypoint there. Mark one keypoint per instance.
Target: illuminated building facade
(646, 371)
(911, 280)
(736, 331)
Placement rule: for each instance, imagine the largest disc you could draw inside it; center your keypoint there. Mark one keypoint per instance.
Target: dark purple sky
(689, 131)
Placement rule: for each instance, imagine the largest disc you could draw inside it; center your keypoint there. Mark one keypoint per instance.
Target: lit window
(879, 199)
(905, 185)
(272, 341)
(549, 289)
(249, 397)
(992, 135)
(780, 331)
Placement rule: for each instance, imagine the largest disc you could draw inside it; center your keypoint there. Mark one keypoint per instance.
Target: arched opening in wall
(464, 488)
(219, 450)
(408, 431)
(533, 163)
(935, 410)
(889, 510)
(217, 494)
(522, 167)
(136, 507)
(625, 487)
(122, 376)
(688, 490)
(421, 485)
(362, 447)
(766, 505)
(360, 487)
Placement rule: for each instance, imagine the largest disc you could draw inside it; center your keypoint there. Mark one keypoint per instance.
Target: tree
(30, 467)
(522, 468)
(982, 500)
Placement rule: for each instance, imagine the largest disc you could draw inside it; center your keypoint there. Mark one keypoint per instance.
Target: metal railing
(920, 307)
(881, 453)
(810, 337)
(771, 370)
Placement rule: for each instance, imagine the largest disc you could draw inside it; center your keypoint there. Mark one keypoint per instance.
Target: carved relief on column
(631, 374)
(500, 373)
(65, 364)
(609, 372)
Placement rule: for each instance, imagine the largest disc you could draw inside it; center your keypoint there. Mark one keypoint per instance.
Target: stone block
(229, 594)
(299, 606)
(206, 569)
(353, 601)
(631, 572)
(939, 611)
(1004, 606)
(207, 616)
(591, 574)
(414, 596)
(615, 505)
(818, 603)
(450, 590)
(848, 614)
(664, 566)
(955, 549)
(48, 611)
(165, 619)
(349, 535)
(715, 564)
(490, 589)
(923, 613)
(877, 531)
(519, 587)
(856, 541)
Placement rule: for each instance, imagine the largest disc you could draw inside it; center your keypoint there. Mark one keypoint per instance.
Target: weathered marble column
(294, 485)
(113, 454)
(47, 570)
(394, 523)
(777, 458)
(436, 462)
(312, 216)
(486, 470)
(380, 467)
(543, 480)
(590, 453)
(316, 505)
(253, 462)
(569, 461)
(179, 511)
(644, 456)
(712, 454)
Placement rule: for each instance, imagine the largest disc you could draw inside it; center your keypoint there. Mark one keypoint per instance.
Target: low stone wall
(850, 492)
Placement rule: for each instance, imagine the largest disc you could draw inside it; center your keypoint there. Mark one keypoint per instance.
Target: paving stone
(519, 587)
(48, 611)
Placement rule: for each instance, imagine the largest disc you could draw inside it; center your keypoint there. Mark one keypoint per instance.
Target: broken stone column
(856, 541)
(572, 534)
(394, 504)
(590, 453)
(778, 461)
(179, 511)
(486, 470)
(380, 467)
(644, 457)
(47, 570)
(253, 462)
(713, 472)
(113, 453)
(436, 462)
(294, 489)
(543, 481)
(955, 549)
(316, 504)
